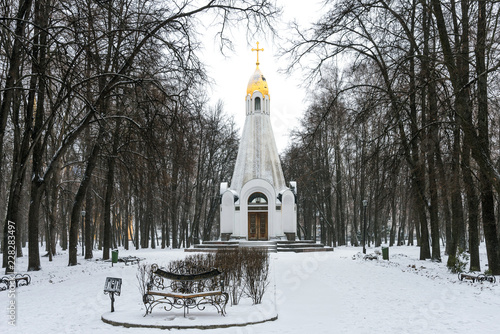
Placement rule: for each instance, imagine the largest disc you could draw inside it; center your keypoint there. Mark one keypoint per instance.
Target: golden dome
(257, 82)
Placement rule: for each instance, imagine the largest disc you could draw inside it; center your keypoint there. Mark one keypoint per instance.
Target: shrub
(230, 263)
(245, 271)
(143, 275)
(192, 264)
(460, 263)
(256, 273)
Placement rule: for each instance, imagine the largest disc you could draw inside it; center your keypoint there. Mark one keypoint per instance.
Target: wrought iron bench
(370, 257)
(19, 279)
(187, 291)
(476, 277)
(129, 259)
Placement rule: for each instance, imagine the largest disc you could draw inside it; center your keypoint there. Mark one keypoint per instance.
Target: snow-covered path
(346, 296)
(314, 293)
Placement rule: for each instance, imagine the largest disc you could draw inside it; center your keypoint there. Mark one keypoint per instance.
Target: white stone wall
(227, 212)
(289, 216)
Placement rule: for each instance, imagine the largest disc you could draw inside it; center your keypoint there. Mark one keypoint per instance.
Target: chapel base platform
(273, 246)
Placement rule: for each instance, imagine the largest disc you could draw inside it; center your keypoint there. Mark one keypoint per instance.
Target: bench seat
(185, 295)
(476, 277)
(18, 279)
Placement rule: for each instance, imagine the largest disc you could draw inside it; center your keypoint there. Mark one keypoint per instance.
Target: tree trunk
(64, 221)
(429, 95)
(37, 181)
(392, 236)
(137, 215)
(79, 197)
(487, 196)
(446, 197)
(51, 204)
(33, 228)
(20, 160)
(174, 207)
(340, 195)
(457, 217)
(11, 82)
(402, 220)
(11, 99)
(126, 227)
(89, 213)
(110, 185)
(376, 204)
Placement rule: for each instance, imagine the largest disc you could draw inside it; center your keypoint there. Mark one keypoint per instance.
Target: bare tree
(415, 79)
(93, 51)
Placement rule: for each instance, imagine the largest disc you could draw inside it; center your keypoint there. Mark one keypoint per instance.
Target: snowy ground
(334, 292)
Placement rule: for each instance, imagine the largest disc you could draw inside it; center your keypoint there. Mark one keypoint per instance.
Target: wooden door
(257, 226)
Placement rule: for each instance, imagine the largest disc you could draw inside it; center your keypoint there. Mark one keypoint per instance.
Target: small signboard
(112, 286)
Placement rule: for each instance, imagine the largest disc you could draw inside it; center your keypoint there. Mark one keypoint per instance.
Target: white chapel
(258, 205)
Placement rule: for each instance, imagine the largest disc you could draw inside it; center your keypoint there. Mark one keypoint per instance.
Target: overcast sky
(231, 74)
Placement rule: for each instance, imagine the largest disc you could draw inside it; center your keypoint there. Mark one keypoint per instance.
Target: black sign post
(113, 286)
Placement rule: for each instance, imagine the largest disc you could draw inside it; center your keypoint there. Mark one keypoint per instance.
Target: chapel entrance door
(257, 226)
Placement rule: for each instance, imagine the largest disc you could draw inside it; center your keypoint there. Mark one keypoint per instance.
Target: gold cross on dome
(258, 53)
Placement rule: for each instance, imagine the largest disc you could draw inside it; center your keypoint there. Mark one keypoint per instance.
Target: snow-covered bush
(246, 271)
(230, 263)
(461, 262)
(256, 273)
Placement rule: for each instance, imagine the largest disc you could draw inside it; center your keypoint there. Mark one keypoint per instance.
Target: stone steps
(305, 250)
(218, 242)
(286, 242)
(300, 245)
(216, 246)
(273, 246)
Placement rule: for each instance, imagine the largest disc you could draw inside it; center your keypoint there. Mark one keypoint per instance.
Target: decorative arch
(258, 201)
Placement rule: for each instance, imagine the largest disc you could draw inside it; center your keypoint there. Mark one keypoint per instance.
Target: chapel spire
(257, 81)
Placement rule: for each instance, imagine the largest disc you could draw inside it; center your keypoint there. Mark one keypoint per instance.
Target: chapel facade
(258, 205)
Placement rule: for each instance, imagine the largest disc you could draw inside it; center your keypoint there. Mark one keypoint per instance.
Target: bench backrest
(185, 283)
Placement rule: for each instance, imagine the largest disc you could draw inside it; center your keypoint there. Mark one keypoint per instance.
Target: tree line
(106, 133)
(405, 115)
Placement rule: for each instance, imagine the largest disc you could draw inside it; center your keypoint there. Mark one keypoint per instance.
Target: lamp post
(188, 235)
(315, 231)
(365, 204)
(83, 239)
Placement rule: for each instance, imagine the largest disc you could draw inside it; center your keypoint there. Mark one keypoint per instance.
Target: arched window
(257, 103)
(257, 198)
